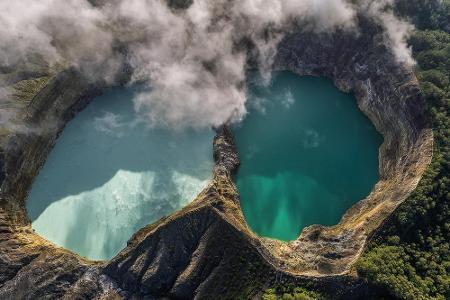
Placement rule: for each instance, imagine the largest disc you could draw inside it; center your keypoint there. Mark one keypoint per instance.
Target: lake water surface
(109, 175)
(307, 155)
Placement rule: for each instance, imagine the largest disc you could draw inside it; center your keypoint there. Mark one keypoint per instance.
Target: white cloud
(397, 31)
(287, 99)
(193, 59)
(311, 139)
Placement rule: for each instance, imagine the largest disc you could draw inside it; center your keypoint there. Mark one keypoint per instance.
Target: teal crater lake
(307, 155)
(110, 174)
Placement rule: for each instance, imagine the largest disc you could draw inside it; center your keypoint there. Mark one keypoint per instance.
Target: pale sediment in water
(110, 174)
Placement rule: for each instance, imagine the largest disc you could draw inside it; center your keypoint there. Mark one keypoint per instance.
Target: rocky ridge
(206, 250)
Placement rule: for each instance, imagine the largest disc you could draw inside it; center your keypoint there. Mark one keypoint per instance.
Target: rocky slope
(206, 250)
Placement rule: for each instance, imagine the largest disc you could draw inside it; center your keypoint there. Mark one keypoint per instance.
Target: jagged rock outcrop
(206, 250)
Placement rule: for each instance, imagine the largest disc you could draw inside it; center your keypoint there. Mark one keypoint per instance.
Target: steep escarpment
(42, 120)
(30, 266)
(206, 250)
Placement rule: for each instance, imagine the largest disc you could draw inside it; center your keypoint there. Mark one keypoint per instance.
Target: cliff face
(206, 250)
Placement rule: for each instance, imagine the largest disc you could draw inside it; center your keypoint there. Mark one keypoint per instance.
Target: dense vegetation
(410, 258)
(291, 293)
(426, 14)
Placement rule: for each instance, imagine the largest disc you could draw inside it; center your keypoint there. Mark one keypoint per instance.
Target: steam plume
(192, 60)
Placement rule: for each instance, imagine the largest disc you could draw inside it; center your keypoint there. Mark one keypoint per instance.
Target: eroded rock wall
(206, 250)
(30, 266)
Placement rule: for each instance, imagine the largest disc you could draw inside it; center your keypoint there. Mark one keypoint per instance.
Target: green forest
(410, 257)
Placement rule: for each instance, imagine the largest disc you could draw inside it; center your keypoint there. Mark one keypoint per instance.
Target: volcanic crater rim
(386, 92)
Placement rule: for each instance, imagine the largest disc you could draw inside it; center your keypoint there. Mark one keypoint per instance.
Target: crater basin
(307, 155)
(110, 174)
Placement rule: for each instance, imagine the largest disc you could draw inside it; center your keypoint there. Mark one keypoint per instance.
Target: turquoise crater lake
(109, 174)
(307, 155)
